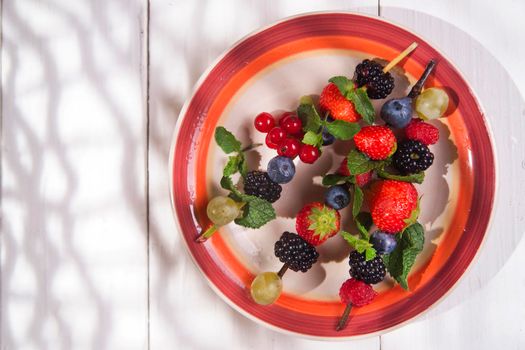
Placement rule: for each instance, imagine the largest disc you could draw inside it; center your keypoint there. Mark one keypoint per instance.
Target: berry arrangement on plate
(376, 179)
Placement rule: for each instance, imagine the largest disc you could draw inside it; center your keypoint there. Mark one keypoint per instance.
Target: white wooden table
(91, 89)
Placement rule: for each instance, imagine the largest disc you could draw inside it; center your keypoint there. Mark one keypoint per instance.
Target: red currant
(289, 148)
(309, 154)
(275, 137)
(264, 122)
(283, 116)
(291, 124)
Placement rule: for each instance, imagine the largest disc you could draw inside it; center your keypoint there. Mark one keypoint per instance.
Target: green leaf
(311, 138)
(243, 165)
(400, 261)
(232, 166)
(362, 104)
(342, 130)
(227, 184)
(226, 140)
(417, 178)
(343, 84)
(358, 163)
(334, 179)
(256, 212)
(363, 222)
(308, 115)
(358, 200)
(361, 245)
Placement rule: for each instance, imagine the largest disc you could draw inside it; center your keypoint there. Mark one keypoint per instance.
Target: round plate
(268, 71)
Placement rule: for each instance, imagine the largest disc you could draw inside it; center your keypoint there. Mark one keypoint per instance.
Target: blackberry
(291, 249)
(371, 271)
(378, 84)
(259, 184)
(412, 157)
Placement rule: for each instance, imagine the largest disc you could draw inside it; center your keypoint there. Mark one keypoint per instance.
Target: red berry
(289, 148)
(357, 293)
(363, 179)
(275, 137)
(343, 168)
(331, 100)
(291, 124)
(309, 154)
(423, 132)
(377, 142)
(264, 122)
(283, 116)
(316, 222)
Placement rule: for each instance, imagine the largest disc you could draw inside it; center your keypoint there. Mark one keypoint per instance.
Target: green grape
(266, 288)
(432, 103)
(222, 210)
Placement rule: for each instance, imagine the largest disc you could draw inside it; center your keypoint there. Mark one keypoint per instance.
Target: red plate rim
(322, 24)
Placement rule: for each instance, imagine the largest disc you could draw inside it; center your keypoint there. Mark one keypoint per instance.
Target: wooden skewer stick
(399, 57)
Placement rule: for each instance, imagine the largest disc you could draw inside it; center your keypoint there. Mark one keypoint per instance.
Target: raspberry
(378, 84)
(412, 157)
(356, 293)
(423, 132)
(371, 271)
(291, 249)
(259, 184)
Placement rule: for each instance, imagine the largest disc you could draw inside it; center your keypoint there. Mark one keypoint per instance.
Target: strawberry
(423, 132)
(361, 180)
(332, 101)
(317, 222)
(376, 142)
(393, 205)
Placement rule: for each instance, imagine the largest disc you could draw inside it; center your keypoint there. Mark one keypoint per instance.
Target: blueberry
(337, 197)
(397, 112)
(328, 138)
(384, 243)
(281, 169)
(329, 119)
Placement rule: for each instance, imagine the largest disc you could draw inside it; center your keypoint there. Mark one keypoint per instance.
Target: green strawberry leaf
(417, 178)
(308, 114)
(226, 141)
(413, 216)
(361, 245)
(362, 104)
(323, 221)
(343, 84)
(342, 130)
(232, 166)
(256, 212)
(334, 179)
(312, 138)
(358, 163)
(358, 200)
(400, 261)
(363, 222)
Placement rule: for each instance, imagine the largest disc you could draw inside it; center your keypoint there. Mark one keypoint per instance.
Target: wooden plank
(185, 38)
(73, 245)
(486, 310)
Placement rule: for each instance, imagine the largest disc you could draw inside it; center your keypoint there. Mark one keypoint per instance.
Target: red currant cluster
(286, 137)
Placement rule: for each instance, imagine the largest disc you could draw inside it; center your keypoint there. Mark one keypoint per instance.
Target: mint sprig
(226, 140)
(363, 222)
(358, 163)
(409, 244)
(256, 213)
(358, 201)
(361, 245)
(417, 178)
(334, 179)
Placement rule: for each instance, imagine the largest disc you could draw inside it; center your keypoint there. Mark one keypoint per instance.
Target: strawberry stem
(399, 57)
(203, 237)
(418, 87)
(342, 322)
(282, 270)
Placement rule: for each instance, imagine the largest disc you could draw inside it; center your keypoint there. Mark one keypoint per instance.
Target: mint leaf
(363, 222)
(342, 130)
(311, 138)
(256, 212)
(343, 84)
(308, 114)
(400, 261)
(232, 166)
(243, 165)
(417, 178)
(361, 245)
(358, 163)
(226, 141)
(227, 184)
(334, 179)
(358, 200)
(362, 104)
